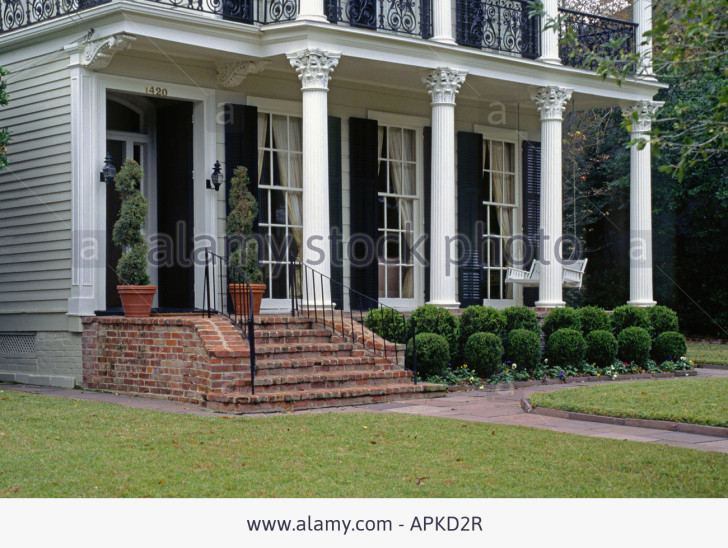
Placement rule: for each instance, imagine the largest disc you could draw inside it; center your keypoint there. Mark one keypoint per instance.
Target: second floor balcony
(508, 27)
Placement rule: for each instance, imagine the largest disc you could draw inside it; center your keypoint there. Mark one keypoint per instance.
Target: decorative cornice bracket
(230, 74)
(97, 54)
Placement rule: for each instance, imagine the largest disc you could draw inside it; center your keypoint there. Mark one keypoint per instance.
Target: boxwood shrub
(601, 348)
(433, 354)
(521, 317)
(480, 319)
(388, 324)
(566, 347)
(560, 318)
(484, 353)
(669, 346)
(629, 316)
(434, 319)
(523, 347)
(634, 344)
(663, 319)
(592, 318)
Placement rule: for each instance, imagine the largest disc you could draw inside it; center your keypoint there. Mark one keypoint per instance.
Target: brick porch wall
(178, 357)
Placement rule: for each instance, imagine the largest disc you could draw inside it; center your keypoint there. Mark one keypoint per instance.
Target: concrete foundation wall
(48, 358)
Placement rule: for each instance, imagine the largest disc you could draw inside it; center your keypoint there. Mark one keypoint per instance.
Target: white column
(443, 85)
(551, 102)
(314, 68)
(311, 10)
(642, 15)
(550, 36)
(442, 21)
(639, 118)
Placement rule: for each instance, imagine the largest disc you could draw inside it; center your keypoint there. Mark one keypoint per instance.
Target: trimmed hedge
(480, 319)
(601, 348)
(560, 318)
(524, 348)
(593, 318)
(669, 346)
(521, 317)
(429, 318)
(484, 353)
(388, 324)
(566, 347)
(635, 344)
(662, 320)
(433, 354)
(630, 316)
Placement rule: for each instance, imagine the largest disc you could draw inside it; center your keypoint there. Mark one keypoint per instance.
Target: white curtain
(290, 169)
(262, 134)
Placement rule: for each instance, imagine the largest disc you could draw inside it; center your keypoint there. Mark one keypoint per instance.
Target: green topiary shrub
(601, 348)
(560, 318)
(663, 319)
(629, 316)
(521, 317)
(484, 353)
(592, 318)
(480, 319)
(669, 346)
(433, 354)
(132, 268)
(243, 258)
(523, 347)
(635, 344)
(566, 347)
(388, 324)
(434, 319)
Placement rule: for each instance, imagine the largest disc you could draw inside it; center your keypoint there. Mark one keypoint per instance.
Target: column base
(450, 305)
(642, 303)
(449, 40)
(550, 60)
(312, 18)
(549, 304)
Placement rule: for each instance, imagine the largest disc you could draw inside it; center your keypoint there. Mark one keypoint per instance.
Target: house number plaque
(155, 90)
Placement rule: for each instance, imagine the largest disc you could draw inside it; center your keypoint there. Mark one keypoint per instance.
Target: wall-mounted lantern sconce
(215, 179)
(109, 172)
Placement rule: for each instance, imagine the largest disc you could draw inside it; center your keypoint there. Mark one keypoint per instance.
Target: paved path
(501, 407)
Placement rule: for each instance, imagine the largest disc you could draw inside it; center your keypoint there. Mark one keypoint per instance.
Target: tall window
(280, 185)
(499, 178)
(397, 191)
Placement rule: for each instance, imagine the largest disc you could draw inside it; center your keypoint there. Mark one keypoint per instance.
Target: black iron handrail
(232, 300)
(412, 17)
(307, 288)
(607, 36)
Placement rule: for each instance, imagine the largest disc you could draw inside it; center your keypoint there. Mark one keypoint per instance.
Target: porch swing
(572, 272)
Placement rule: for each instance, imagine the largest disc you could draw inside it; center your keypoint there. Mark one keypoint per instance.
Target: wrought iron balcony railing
(501, 25)
(412, 17)
(584, 36)
(15, 14)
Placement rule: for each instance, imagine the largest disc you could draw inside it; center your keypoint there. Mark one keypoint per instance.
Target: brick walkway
(502, 407)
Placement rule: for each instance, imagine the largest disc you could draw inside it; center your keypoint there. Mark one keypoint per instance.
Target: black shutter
(241, 144)
(363, 173)
(335, 212)
(238, 10)
(470, 212)
(531, 210)
(427, 134)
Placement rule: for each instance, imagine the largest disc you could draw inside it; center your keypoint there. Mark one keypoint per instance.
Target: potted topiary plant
(135, 291)
(244, 272)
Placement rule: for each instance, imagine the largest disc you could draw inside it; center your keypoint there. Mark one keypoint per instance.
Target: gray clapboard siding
(35, 189)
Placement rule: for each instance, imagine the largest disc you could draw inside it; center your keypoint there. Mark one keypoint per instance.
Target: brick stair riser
(261, 388)
(315, 369)
(293, 354)
(301, 405)
(297, 339)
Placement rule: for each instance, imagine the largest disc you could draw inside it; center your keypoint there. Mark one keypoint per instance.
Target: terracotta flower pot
(137, 299)
(241, 297)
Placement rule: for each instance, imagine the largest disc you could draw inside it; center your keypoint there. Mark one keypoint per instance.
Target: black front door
(175, 205)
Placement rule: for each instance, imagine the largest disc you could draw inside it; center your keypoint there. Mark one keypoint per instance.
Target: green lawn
(708, 354)
(64, 448)
(698, 401)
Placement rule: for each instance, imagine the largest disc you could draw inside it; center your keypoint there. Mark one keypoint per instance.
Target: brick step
(284, 322)
(321, 364)
(279, 336)
(307, 350)
(316, 399)
(327, 380)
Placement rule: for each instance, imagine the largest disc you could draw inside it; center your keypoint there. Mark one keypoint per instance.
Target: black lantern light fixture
(215, 179)
(109, 172)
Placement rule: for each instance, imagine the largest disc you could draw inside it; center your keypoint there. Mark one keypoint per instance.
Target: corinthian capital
(639, 115)
(551, 102)
(314, 67)
(443, 84)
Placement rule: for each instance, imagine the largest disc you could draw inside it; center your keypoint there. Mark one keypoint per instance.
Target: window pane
(392, 213)
(278, 243)
(410, 145)
(263, 206)
(495, 278)
(497, 156)
(497, 186)
(278, 206)
(407, 242)
(406, 210)
(510, 158)
(507, 288)
(295, 134)
(280, 132)
(409, 183)
(494, 226)
(408, 276)
(393, 282)
(509, 189)
(382, 281)
(392, 245)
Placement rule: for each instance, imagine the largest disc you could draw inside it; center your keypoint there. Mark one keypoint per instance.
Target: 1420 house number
(155, 90)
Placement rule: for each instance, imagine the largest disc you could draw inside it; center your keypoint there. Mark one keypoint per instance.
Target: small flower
(546, 361)
(514, 366)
